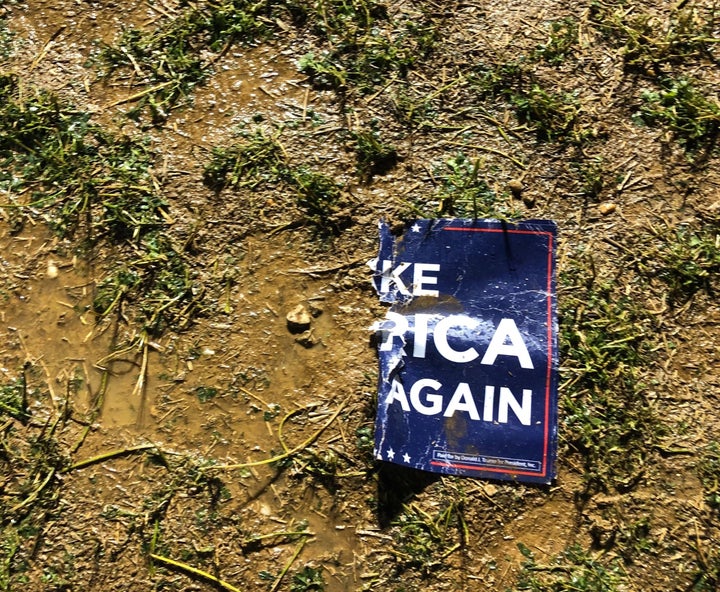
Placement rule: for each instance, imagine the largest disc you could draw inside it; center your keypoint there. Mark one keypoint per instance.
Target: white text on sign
(425, 395)
(420, 278)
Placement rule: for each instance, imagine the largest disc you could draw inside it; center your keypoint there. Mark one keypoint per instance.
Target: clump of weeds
(323, 70)
(634, 538)
(553, 116)
(318, 196)
(71, 168)
(31, 462)
(374, 157)
(707, 578)
(169, 297)
(686, 262)
(365, 444)
(605, 342)
(412, 108)
(364, 45)
(650, 43)
(590, 173)
(9, 546)
(680, 107)
(503, 79)
(423, 541)
(323, 466)
(307, 579)
(574, 569)
(172, 58)
(156, 282)
(561, 41)
(256, 160)
(14, 399)
(6, 40)
(462, 191)
(259, 160)
(89, 184)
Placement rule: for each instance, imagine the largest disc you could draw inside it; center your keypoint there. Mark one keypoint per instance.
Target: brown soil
(103, 520)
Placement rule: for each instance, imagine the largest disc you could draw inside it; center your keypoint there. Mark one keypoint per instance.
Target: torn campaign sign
(468, 350)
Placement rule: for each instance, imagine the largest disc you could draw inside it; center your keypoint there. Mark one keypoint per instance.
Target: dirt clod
(299, 319)
(607, 207)
(307, 339)
(516, 188)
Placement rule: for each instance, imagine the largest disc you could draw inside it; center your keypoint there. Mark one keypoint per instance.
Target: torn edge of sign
(390, 293)
(392, 289)
(383, 267)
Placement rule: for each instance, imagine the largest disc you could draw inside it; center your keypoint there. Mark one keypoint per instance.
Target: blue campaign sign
(468, 351)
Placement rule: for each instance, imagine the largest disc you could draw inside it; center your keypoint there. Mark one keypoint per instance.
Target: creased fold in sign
(468, 350)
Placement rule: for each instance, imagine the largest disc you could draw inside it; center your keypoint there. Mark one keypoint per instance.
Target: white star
(391, 454)
(415, 227)
(406, 457)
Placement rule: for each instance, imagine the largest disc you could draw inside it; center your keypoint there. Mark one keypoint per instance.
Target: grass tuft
(561, 41)
(574, 569)
(686, 261)
(651, 43)
(462, 192)
(693, 260)
(317, 194)
(505, 79)
(362, 45)
(707, 578)
(6, 40)
(72, 169)
(307, 579)
(553, 116)
(90, 184)
(257, 160)
(423, 541)
(688, 114)
(590, 173)
(172, 58)
(374, 157)
(13, 399)
(605, 342)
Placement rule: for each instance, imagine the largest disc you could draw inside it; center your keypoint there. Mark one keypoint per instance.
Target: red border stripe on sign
(548, 376)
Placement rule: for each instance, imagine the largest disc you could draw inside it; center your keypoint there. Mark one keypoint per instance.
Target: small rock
(602, 531)
(315, 310)
(528, 200)
(516, 188)
(298, 319)
(307, 339)
(52, 269)
(606, 207)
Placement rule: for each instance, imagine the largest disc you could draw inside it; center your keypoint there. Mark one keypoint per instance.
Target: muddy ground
(139, 420)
